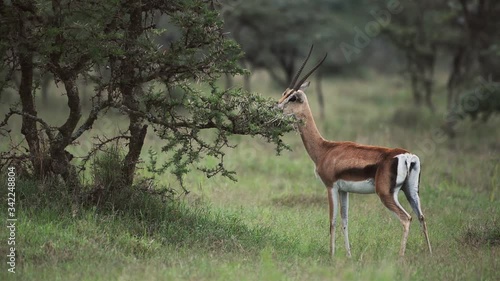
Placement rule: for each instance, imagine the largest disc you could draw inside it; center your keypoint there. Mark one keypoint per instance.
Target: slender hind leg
(388, 182)
(344, 206)
(392, 203)
(410, 189)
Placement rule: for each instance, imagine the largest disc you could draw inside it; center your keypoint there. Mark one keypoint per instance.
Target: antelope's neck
(312, 139)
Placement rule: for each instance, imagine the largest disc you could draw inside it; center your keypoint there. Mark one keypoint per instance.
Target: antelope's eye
(293, 98)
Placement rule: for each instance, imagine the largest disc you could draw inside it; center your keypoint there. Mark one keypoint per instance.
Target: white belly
(365, 187)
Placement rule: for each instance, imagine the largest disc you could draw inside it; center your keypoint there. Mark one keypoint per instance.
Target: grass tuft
(482, 234)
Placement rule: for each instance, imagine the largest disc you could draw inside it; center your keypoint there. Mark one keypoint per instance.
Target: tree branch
(98, 147)
(48, 129)
(93, 115)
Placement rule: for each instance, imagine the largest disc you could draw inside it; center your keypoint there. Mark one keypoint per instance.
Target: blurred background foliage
(411, 37)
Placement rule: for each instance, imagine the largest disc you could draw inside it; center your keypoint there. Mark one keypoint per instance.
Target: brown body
(351, 161)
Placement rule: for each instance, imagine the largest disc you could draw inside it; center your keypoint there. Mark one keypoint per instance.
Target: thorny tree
(70, 39)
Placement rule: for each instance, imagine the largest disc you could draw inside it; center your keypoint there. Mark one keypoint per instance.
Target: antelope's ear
(304, 85)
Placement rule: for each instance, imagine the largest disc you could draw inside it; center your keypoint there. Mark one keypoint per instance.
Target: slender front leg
(344, 206)
(333, 200)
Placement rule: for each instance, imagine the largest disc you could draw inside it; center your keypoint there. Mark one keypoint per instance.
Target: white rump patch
(404, 164)
(364, 187)
(404, 173)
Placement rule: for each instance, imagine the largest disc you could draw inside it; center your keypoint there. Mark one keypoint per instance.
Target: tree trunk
(137, 132)
(415, 89)
(428, 81)
(136, 142)
(454, 78)
(428, 95)
(321, 99)
(128, 88)
(29, 126)
(60, 158)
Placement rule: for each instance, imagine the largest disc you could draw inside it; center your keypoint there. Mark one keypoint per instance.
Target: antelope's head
(294, 100)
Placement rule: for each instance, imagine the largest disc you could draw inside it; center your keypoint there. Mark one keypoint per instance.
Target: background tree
(466, 32)
(477, 51)
(68, 39)
(413, 33)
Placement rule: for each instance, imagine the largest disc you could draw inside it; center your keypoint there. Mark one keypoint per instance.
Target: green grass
(273, 223)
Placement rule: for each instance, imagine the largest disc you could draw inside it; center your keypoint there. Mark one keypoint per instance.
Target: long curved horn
(292, 84)
(297, 86)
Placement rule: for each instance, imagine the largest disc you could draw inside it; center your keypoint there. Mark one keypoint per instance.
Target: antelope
(347, 167)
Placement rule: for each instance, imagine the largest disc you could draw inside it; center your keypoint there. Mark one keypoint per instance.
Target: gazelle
(346, 167)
